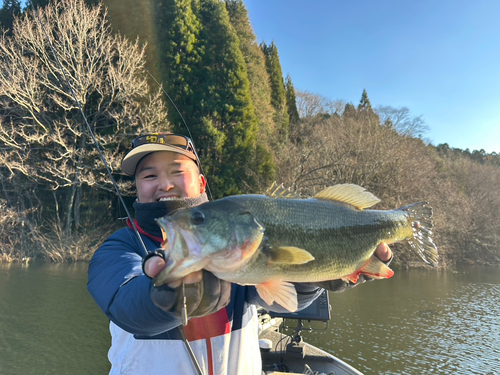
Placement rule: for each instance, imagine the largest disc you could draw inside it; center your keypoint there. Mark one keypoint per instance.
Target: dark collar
(146, 213)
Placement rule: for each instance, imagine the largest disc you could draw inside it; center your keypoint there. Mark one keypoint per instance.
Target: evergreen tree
(180, 57)
(291, 102)
(180, 52)
(205, 71)
(349, 111)
(10, 9)
(242, 166)
(365, 110)
(256, 67)
(364, 103)
(278, 91)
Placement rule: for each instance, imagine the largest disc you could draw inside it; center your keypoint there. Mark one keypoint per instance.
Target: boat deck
(299, 358)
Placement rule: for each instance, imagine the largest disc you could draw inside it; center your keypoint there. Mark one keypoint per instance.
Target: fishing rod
(136, 231)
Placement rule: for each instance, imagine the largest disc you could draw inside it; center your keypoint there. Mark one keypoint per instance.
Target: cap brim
(130, 161)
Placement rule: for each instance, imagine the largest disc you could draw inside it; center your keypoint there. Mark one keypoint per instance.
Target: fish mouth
(182, 253)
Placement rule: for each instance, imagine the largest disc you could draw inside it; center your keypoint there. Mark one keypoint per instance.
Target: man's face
(165, 175)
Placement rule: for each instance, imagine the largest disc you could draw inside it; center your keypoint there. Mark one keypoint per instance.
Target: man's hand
(155, 265)
(205, 293)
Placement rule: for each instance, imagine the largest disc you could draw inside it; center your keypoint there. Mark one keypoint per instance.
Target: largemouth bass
(271, 241)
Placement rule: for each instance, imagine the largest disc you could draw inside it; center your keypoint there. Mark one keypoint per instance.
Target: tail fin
(420, 215)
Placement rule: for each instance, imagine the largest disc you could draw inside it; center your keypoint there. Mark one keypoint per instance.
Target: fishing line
(89, 129)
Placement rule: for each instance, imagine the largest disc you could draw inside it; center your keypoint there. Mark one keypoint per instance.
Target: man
(144, 320)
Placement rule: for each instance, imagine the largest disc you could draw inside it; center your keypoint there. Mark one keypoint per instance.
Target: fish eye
(197, 218)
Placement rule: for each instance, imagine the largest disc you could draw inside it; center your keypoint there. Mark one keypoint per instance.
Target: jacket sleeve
(122, 291)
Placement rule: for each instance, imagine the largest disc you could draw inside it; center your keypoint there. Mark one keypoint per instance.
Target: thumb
(154, 265)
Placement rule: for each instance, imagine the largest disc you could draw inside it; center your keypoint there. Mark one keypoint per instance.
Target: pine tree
(256, 67)
(206, 74)
(349, 112)
(278, 91)
(180, 57)
(228, 102)
(365, 110)
(291, 102)
(364, 103)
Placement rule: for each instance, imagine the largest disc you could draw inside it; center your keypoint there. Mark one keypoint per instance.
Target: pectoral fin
(281, 292)
(290, 255)
(374, 268)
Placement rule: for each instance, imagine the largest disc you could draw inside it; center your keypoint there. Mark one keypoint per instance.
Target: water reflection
(49, 323)
(418, 322)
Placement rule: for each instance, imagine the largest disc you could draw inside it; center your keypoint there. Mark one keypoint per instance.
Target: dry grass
(23, 240)
(56, 247)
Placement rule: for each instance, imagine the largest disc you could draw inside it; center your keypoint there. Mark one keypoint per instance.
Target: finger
(154, 266)
(175, 284)
(383, 252)
(192, 278)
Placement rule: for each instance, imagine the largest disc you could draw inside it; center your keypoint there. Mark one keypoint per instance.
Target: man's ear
(203, 183)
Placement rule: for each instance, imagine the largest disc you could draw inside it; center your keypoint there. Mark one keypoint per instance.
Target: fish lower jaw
(175, 271)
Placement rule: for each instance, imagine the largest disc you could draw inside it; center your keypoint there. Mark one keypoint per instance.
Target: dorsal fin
(279, 191)
(351, 194)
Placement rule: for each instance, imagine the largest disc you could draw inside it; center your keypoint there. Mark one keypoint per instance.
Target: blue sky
(441, 59)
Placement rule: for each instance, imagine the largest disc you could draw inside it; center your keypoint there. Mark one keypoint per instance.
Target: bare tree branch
(42, 133)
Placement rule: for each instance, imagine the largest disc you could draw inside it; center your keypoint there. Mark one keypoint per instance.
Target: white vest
(218, 352)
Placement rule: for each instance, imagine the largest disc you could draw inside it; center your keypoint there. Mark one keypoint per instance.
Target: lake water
(418, 322)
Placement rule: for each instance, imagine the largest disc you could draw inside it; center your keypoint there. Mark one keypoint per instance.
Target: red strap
(157, 239)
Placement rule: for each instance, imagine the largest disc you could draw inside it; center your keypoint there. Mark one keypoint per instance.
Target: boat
(289, 354)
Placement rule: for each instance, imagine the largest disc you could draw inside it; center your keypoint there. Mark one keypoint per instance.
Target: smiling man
(164, 175)
(145, 320)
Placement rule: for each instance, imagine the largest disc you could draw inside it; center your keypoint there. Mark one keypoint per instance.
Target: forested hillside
(250, 125)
